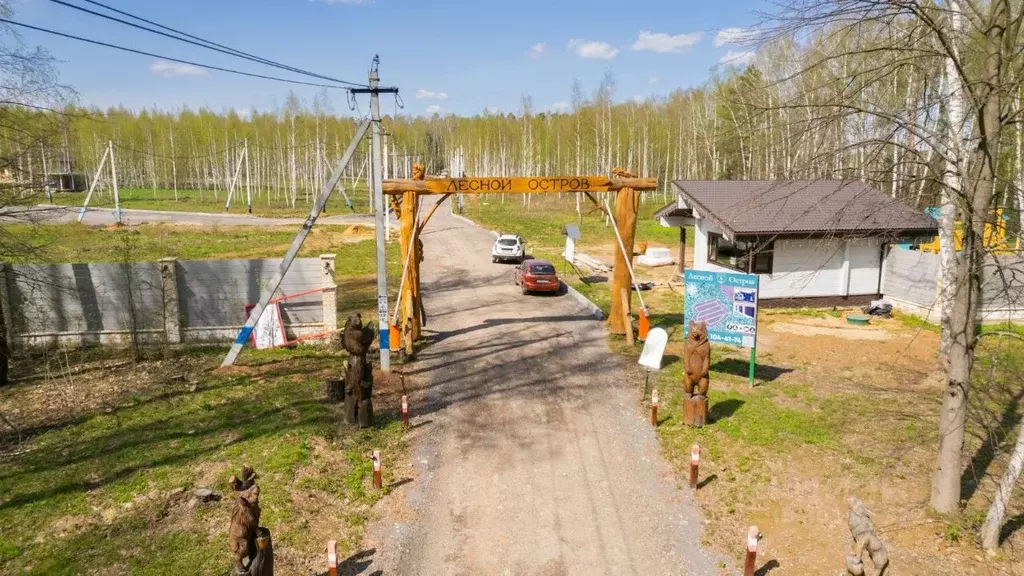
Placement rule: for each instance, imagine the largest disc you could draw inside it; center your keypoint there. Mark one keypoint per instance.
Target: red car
(537, 276)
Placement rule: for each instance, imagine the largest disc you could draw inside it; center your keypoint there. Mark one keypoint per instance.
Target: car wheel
(525, 291)
(494, 259)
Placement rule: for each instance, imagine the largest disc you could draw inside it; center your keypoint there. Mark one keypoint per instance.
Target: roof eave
(704, 212)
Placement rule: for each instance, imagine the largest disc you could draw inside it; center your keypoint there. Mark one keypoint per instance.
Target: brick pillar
(330, 293)
(172, 308)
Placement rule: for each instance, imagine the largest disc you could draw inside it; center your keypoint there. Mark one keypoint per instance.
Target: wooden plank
(518, 185)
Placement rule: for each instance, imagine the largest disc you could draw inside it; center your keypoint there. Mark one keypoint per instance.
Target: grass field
(103, 483)
(149, 242)
(264, 203)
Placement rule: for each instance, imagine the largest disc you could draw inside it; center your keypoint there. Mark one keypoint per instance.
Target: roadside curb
(576, 295)
(471, 223)
(585, 302)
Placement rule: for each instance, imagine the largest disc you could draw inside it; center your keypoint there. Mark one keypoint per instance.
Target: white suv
(508, 247)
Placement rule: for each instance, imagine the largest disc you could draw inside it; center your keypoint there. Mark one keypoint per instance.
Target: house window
(736, 254)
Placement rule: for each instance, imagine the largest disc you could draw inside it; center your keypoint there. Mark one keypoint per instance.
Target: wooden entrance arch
(409, 191)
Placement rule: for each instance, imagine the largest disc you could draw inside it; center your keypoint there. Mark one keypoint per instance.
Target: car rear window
(506, 242)
(542, 269)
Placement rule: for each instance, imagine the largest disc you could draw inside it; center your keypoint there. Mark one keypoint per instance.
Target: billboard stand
(727, 303)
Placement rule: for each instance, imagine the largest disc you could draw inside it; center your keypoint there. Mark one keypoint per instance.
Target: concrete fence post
(330, 293)
(6, 317)
(171, 304)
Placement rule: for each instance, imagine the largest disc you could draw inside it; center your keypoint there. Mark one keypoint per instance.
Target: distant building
(821, 239)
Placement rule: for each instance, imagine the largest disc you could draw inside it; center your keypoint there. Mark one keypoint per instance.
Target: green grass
(150, 242)
(91, 496)
(212, 202)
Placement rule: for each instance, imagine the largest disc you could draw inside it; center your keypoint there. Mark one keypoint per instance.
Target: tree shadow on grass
(724, 409)
(738, 367)
(1011, 526)
(995, 435)
(768, 567)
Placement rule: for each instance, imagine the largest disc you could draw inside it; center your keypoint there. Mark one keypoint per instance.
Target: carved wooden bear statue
(356, 339)
(245, 520)
(697, 360)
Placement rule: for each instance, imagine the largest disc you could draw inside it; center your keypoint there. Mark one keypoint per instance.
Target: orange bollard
(644, 323)
(394, 337)
(694, 465)
(405, 412)
(753, 537)
(332, 558)
(377, 482)
(654, 407)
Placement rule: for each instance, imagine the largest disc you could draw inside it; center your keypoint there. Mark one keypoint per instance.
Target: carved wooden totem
(696, 365)
(356, 339)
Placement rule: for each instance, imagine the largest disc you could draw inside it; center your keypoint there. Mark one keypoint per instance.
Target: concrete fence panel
(168, 301)
(911, 283)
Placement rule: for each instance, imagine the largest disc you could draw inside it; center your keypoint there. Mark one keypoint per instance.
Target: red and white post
(694, 465)
(654, 407)
(377, 482)
(405, 412)
(753, 537)
(332, 558)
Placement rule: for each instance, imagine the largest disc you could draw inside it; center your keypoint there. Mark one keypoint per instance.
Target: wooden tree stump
(695, 411)
(334, 389)
(263, 563)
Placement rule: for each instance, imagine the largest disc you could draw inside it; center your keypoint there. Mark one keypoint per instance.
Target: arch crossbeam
(491, 185)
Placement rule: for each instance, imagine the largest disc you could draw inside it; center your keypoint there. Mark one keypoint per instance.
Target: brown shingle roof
(750, 207)
(671, 209)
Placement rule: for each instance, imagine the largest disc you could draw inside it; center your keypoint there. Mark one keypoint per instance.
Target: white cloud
(493, 110)
(738, 58)
(558, 107)
(639, 99)
(172, 69)
(664, 43)
(536, 51)
(652, 80)
(434, 109)
(430, 95)
(593, 49)
(735, 36)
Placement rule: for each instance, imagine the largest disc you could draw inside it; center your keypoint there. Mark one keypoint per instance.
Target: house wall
(804, 268)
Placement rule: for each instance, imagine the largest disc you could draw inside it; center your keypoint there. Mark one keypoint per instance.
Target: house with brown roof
(803, 238)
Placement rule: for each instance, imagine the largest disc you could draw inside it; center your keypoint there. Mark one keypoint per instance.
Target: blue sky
(454, 56)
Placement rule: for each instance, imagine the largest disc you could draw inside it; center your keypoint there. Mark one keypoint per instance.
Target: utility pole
(113, 178)
(248, 189)
(376, 164)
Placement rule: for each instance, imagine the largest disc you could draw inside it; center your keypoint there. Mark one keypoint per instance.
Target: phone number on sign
(741, 328)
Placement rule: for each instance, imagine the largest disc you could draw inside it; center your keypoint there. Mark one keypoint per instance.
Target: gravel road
(105, 217)
(530, 452)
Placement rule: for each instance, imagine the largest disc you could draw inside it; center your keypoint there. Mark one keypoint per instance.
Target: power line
(178, 60)
(196, 41)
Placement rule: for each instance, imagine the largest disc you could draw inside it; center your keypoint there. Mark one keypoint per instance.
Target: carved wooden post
(408, 297)
(627, 322)
(694, 465)
(750, 563)
(627, 202)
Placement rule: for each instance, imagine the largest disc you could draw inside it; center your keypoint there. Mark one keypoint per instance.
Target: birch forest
(773, 119)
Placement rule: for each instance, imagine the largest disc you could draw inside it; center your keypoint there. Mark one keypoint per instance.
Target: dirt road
(532, 455)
